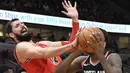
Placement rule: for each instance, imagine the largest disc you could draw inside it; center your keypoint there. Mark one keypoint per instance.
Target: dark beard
(24, 37)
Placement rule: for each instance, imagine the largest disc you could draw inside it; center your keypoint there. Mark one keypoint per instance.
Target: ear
(11, 35)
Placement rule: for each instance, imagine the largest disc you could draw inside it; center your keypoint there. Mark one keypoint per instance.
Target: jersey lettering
(92, 71)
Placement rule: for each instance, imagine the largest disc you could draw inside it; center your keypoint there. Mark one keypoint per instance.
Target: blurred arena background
(116, 12)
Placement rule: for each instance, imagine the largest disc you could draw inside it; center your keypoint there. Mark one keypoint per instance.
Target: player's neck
(94, 58)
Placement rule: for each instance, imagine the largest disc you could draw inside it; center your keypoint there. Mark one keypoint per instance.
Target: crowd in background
(89, 9)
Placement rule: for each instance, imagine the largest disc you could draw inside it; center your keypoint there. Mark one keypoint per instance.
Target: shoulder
(23, 46)
(115, 59)
(22, 51)
(114, 56)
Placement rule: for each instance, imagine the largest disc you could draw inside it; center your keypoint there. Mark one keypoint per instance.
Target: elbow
(59, 71)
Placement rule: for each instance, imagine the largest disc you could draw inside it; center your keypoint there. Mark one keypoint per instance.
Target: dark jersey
(90, 67)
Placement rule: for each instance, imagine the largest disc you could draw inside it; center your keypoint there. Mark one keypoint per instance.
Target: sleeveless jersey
(40, 65)
(89, 67)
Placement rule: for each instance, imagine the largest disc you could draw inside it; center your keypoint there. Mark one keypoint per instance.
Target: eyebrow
(14, 23)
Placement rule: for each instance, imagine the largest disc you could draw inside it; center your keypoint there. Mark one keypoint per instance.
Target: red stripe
(84, 62)
(64, 42)
(15, 55)
(41, 45)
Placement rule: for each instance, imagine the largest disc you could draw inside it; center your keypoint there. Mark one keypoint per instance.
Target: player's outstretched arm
(72, 12)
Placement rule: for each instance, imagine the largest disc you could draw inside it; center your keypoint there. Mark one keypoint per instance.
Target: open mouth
(24, 30)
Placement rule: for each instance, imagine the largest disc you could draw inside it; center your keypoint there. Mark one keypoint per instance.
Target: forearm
(64, 65)
(55, 51)
(75, 28)
(106, 65)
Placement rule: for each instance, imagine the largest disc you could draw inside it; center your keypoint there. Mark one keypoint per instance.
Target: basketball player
(97, 62)
(38, 58)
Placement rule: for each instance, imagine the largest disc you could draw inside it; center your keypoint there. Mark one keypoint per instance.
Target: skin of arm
(71, 64)
(26, 50)
(113, 64)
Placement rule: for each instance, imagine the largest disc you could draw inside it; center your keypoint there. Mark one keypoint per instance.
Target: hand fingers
(101, 34)
(93, 35)
(66, 4)
(96, 35)
(83, 28)
(75, 4)
(69, 4)
(80, 29)
(64, 13)
(93, 39)
(78, 33)
(90, 44)
(102, 44)
(80, 49)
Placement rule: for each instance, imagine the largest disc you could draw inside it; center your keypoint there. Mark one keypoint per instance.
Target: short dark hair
(105, 34)
(108, 39)
(8, 27)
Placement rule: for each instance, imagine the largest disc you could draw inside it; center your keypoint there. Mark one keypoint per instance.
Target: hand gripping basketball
(86, 35)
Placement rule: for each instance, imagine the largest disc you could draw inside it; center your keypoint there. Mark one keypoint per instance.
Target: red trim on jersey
(84, 61)
(108, 56)
(65, 42)
(15, 55)
(41, 45)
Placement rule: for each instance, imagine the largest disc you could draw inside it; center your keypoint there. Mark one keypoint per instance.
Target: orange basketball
(84, 36)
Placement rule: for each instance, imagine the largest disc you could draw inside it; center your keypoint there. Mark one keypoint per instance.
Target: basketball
(84, 36)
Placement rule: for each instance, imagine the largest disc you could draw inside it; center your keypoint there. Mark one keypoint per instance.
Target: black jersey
(89, 67)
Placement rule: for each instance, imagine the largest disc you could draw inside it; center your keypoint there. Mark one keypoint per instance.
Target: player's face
(19, 27)
(20, 31)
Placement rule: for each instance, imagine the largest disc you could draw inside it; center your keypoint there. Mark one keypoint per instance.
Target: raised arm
(71, 64)
(73, 13)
